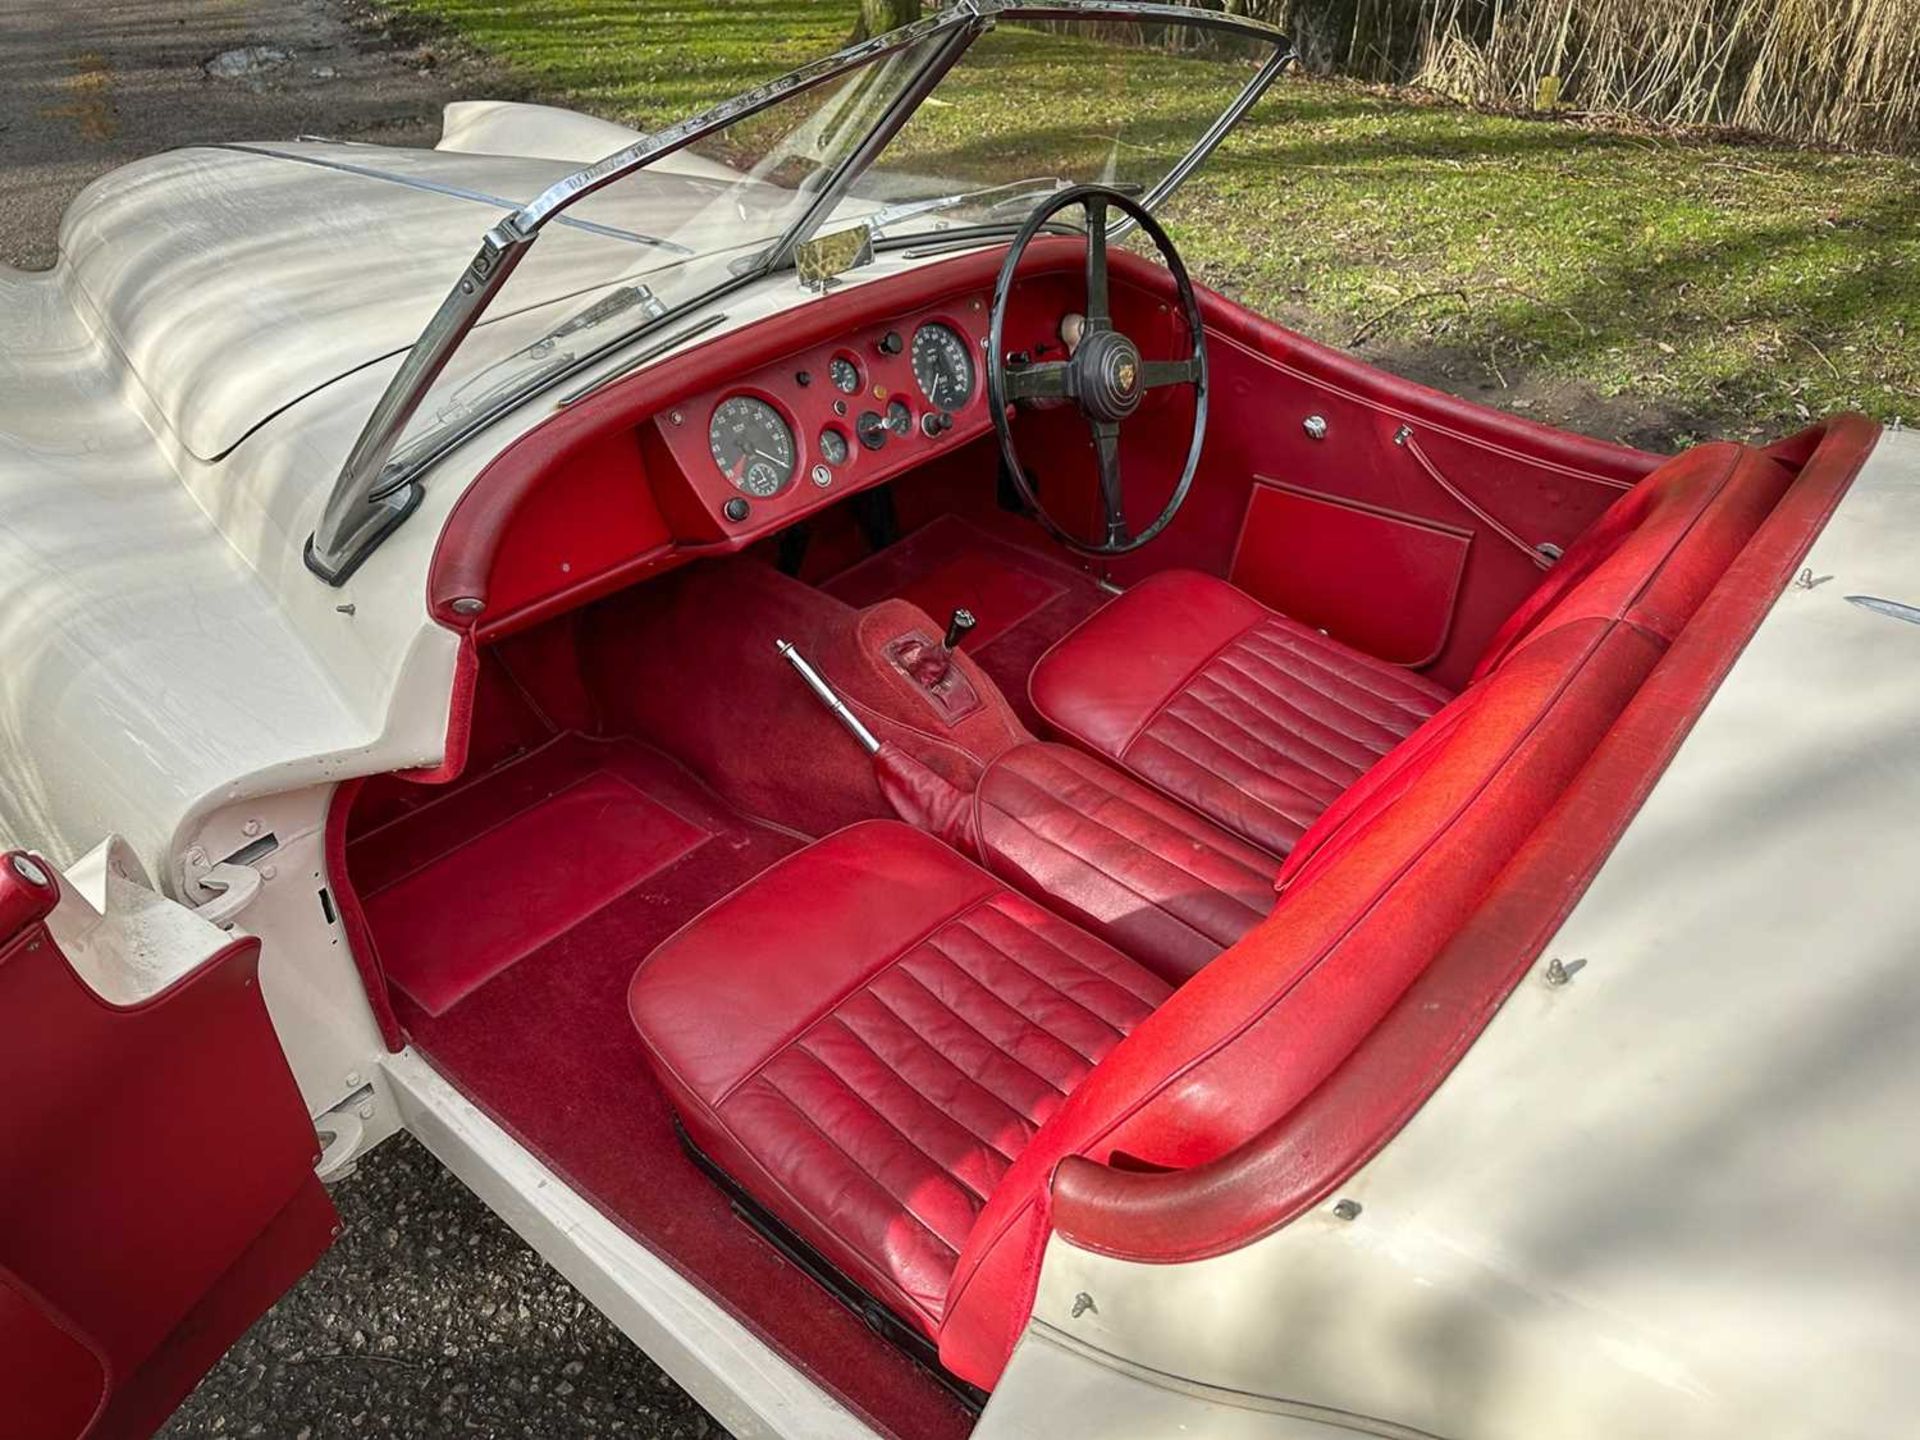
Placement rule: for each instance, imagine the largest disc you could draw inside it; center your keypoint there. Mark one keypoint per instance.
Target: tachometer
(752, 446)
(944, 367)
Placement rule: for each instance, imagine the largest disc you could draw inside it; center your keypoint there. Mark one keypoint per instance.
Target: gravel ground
(429, 1317)
(88, 85)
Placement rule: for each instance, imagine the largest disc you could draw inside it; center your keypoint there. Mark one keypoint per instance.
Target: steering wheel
(1105, 376)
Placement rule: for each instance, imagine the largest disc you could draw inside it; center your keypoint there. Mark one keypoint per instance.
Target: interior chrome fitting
(28, 869)
(1315, 426)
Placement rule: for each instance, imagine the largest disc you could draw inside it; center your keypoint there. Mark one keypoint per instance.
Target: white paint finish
(145, 664)
(313, 991)
(747, 1387)
(1679, 1195)
(126, 942)
(167, 652)
(1111, 1400)
(511, 127)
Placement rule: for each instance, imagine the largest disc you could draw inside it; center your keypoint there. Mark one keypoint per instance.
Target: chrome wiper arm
(888, 215)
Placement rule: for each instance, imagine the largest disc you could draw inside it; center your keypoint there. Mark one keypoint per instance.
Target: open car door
(157, 1186)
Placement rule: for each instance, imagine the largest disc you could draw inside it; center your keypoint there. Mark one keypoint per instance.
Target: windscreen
(1030, 107)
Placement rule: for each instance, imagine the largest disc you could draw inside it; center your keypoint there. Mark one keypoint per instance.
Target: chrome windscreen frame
(375, 491)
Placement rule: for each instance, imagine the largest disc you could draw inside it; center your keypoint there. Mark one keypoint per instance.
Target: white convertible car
(968, 836)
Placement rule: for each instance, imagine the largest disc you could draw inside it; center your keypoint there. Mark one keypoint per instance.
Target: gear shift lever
(959, 627)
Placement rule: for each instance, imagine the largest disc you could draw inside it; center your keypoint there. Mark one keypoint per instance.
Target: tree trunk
(879, 16)
(1321, 30)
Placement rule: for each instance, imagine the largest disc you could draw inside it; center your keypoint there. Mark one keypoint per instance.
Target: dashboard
(787, 437)
(748, 433)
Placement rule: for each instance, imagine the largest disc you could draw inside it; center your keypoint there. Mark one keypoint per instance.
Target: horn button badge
(1109, 378)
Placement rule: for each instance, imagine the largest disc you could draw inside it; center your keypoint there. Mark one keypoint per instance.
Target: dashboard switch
(934, 424)
(737, 509)
(890, 343)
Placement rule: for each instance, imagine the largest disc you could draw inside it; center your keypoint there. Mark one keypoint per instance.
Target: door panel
(158, 1160)
(1381, 582)
(52, 1383)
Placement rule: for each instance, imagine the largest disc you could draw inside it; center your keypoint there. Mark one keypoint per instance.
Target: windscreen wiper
(1010, 192)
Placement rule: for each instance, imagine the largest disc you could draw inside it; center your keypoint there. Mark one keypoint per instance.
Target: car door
(157, 1186)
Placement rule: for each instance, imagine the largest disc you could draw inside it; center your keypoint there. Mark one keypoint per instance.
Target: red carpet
(544, 1045)
(520, 884)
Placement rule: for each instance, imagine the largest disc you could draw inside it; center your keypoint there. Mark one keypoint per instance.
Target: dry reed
(1842, 72)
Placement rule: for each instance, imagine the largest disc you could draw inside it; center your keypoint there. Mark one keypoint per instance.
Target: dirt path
(87, 85)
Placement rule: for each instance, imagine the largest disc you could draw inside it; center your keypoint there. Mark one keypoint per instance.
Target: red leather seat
(1143, 873)
(894, 1053)
(1262, 723)
(867, 1036)
(1253, 719)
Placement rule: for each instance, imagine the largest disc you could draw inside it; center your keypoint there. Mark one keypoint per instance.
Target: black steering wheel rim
(1105, 377)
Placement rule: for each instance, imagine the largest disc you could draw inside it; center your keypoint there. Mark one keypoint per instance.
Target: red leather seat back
(1657, 550)
(1649, 561)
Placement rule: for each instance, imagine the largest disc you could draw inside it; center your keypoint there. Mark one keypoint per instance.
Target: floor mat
(546, 1048)
(530, 877)
(1023, 599)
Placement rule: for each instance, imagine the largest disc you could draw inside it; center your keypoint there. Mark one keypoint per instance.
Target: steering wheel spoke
(1106, 444)
(1099, 305)
(1157, 374)
(1051, 380)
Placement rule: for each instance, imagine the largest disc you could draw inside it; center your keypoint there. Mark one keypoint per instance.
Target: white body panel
(1677, 1195)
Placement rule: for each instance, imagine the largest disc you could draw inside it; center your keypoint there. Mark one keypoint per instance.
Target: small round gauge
(833, 446)
(844, 374)
(752, 446)
(943, 366)
(899, 417)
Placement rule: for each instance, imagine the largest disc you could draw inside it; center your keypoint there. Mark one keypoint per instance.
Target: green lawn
(1621, 282)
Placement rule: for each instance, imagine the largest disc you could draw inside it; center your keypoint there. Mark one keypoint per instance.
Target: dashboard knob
(890, 343)
(737, 509)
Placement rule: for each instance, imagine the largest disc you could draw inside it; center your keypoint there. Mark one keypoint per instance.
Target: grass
(1652, 284)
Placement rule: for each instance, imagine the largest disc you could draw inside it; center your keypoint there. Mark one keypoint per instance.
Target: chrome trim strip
(1892, 609)
(455, 192)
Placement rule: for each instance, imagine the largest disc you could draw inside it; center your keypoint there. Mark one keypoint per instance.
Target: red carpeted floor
(1024, 599)
(579, 857)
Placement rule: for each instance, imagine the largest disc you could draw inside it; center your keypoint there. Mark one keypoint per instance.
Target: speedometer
(752, 446)
(943, 366)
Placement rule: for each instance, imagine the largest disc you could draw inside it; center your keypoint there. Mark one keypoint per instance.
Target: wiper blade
(910, 209)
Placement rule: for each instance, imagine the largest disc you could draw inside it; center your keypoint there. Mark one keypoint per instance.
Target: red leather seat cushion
(1140, 871)
(866, 1037)
(1253, 719)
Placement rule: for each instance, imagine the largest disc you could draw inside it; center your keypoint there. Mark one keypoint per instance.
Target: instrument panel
(833, 418)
